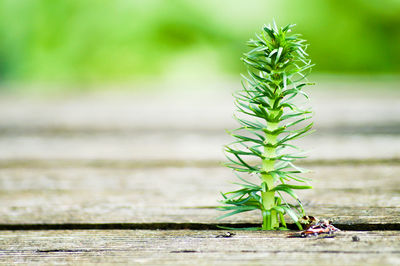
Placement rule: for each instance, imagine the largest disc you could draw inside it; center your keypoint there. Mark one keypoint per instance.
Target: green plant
(277, 68)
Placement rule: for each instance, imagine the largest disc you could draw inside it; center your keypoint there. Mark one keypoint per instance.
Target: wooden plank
(187, 125)
(198, 247)
(345, 194)
(183, 146)
(210, 106)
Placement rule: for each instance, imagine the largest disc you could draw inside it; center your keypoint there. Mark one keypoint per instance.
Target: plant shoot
(270, 119)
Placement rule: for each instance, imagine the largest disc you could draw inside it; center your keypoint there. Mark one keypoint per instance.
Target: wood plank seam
(180, 226)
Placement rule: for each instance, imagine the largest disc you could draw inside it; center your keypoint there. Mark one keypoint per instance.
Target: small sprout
(269, 120)
(308, 221)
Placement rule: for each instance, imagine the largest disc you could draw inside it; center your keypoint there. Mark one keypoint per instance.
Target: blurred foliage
(103, 40)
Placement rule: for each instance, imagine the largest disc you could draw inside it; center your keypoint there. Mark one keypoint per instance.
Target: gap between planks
(180, 226)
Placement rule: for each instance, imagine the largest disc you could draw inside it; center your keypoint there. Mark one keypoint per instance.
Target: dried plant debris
(314, 227)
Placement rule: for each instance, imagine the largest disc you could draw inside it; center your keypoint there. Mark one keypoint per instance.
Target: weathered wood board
(189, 124)
(347, 194)
(337, 104)
(188, 247)
(180, 146)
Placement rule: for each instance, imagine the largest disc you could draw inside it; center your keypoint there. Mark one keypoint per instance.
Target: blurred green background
(95, 41)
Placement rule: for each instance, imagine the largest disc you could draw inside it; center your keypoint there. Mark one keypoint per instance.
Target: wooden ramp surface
(147, 165)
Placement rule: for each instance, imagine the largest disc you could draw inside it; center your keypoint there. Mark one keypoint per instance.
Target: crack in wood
(179, 226)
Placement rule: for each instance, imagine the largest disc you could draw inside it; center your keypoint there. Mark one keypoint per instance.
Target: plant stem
(268, 165)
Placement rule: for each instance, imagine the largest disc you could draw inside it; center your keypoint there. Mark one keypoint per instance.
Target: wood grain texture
(189, 124)
(197, 248)
(344, 194)
(160, 145)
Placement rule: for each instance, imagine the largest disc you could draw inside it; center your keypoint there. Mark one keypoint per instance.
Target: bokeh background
(94, 42)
